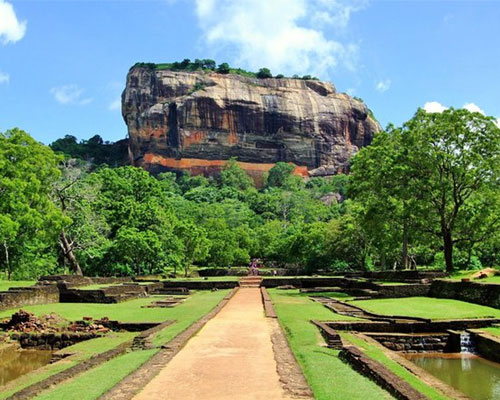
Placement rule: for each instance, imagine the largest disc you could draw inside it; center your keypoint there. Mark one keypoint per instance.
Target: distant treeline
(223, 68)
(94, 150)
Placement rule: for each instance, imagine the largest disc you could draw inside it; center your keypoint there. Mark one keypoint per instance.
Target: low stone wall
(436, 342)
(201, 285)
(268, 304)
(51, 341)
(487, 345)
(24, 296)
(398, 275)
(311, 282)
(472, 292)
(380, 374)
(332, 338)
(413, 290)
(411, 327)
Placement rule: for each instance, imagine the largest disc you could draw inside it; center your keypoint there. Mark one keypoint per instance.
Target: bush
(223, 68)
(264, 73)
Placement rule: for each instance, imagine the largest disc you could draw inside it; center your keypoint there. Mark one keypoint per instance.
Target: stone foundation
(487, 345)
(23, 296)
(413, 343)
(479, 293)
(51, 341)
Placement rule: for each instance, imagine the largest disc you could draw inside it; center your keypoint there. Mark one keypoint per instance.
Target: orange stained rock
(230, 358)
(198, 164)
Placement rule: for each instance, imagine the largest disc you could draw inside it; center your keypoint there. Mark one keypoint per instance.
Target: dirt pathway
(230, 358)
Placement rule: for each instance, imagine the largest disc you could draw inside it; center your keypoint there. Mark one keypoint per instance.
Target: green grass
(427, 307)
(378, 354)
(93, 383)
(98, 286)
(33, 377)
(185, 314)
(85, 350)
(5, 285)
(81, 351)
(188, 312)
(328, 376)
(494, 330)
(456, 276)
(129, 311)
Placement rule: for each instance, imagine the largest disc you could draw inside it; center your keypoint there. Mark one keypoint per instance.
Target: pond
(15, 362)
(474, 376)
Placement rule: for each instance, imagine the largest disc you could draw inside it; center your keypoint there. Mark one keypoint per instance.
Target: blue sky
(63, 63)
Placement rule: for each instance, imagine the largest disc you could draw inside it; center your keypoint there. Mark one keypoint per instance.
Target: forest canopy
(426, 194)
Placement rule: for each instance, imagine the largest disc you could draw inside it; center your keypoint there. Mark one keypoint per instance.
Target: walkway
(230, 358)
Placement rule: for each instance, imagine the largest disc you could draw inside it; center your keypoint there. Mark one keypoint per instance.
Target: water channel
(474, 376)
(15, 362)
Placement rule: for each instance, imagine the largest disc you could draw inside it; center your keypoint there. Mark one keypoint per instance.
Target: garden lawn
(82, 351)
(5, 285)
(494, 330)
(128, 311)
(92, 384)
(456, 276)
(328, 377)
(427, 307)
(378, 354)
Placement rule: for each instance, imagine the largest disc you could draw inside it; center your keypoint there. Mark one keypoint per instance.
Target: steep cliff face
(197, 120)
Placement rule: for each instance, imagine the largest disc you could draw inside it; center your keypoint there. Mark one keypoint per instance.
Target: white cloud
(434, 107)
(282, 35)
(4, 78)
(472, 108)
(115, 104)
(335, 12)
(11, 29)
(383, 86)
(70, 94)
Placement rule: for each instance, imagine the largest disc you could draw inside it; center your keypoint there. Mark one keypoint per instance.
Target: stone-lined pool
(474, 376)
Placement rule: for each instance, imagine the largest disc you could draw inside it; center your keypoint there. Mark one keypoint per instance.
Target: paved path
(230, 358)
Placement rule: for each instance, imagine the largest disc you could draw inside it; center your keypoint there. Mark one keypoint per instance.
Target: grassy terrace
(328, 376)
(93, 383)
(495, 330)
(82, 351)
(379, 355)
(467, 274)
(427, 307)
(5, 285)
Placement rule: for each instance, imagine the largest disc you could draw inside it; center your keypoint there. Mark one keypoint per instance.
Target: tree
(30, 222)
(195, 245)
(381, 182)
(223, 68)
(234, 176)
(279, 174)
(87, 232)
(455, 156)
(209, 64)
(264, 73)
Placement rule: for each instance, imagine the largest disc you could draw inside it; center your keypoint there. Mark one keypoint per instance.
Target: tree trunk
(404, 249)
(7, 261)
(382, 261)
(448, 249)
(68, 253)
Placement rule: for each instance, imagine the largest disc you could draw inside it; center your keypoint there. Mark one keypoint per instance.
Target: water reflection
(15, 362)
(473, 375)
